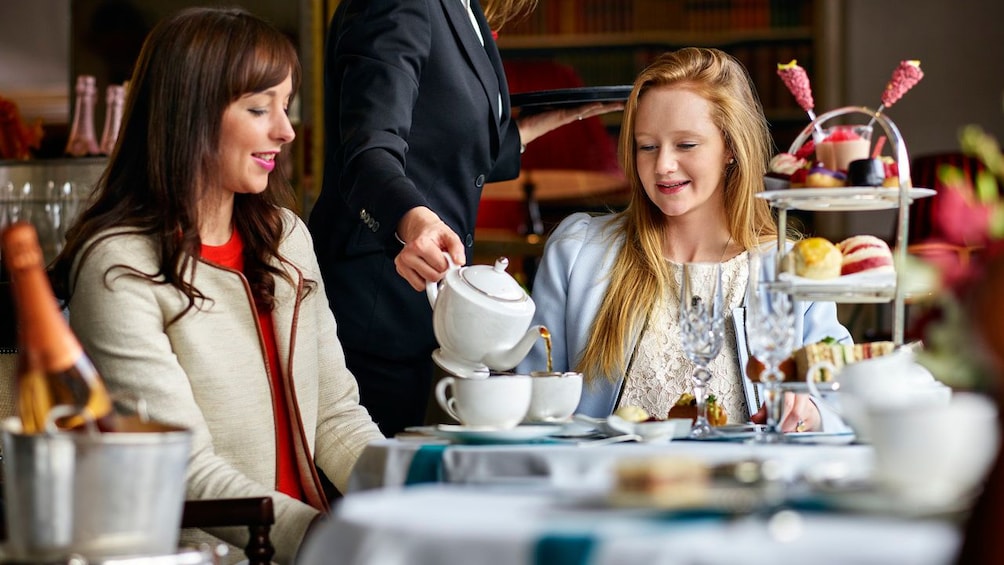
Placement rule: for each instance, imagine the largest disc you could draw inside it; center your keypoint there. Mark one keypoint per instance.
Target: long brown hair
(192, 66)
(500, 12)
(639, 277)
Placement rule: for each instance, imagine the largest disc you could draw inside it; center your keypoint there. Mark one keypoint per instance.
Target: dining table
(423, 498)
(416, 459)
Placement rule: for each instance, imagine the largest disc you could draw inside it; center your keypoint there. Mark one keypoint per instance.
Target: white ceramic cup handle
(810, 381)
(446, 403)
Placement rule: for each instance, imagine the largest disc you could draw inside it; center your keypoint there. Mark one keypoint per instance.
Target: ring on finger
(800, 426)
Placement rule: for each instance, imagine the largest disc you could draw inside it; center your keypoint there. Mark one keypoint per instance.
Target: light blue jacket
(572, 281)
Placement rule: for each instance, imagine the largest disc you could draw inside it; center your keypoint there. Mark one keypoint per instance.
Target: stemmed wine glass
(770, 336)
(702, 327)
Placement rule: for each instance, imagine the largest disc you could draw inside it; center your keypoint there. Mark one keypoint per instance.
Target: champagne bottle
(52, 366)
(114, 101)
(82, 139)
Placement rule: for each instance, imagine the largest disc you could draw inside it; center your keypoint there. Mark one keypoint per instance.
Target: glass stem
(701, 394)
(774, 397)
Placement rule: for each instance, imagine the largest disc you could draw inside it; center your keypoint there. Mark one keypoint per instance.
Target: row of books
(610, 67)
(625, 16)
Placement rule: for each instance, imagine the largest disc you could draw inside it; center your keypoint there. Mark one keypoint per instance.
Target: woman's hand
(798, 414)
(426, 237)
(533, 126)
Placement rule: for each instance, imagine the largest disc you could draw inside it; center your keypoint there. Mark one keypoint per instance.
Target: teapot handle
(432, 288)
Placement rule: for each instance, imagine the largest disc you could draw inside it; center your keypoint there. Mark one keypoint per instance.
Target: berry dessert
(906, 75)
(864, 253)
(842, 145)
(780, 169)
(797, 81)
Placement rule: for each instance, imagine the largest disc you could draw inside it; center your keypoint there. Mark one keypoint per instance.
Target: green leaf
(996, 224)
(986, 187)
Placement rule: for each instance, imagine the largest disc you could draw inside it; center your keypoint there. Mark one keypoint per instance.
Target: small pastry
(864, 253)
(632, 413)
(755, 368)
(821, 177)
(815, 258)
(780, 169)
(865, 172)
(686, 407)
(891, 171)
(797, 179)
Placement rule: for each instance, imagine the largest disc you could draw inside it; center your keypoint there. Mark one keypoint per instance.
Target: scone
(815, 258)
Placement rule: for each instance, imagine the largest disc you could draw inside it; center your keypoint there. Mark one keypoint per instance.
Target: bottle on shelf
(82, 139)
(52, 366)
(114, 101)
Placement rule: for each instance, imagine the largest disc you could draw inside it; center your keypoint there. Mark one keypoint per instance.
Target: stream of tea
(544, 333)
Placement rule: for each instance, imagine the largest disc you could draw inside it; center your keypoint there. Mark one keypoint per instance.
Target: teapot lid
(494, 281)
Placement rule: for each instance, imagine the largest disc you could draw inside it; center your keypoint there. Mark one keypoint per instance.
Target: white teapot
(481, 317)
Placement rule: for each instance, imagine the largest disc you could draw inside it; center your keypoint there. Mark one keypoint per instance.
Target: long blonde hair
(500, 12)
(639, 278)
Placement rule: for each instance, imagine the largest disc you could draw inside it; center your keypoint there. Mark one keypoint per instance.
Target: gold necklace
(726, 250)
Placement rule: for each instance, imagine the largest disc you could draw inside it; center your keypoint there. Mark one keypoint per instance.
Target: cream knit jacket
(208, 372)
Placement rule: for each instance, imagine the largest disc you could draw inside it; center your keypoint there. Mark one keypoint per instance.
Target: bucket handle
(139, 404)
(61, 411)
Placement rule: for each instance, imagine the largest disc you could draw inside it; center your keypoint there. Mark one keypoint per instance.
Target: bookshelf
(609, 41)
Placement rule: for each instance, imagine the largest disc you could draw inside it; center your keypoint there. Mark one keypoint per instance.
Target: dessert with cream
(862, 253)
(842, 145)
(780, 169)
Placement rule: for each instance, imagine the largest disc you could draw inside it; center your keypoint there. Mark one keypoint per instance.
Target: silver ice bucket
(95, 495)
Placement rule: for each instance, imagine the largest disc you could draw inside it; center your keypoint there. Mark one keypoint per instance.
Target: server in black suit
(417, 120)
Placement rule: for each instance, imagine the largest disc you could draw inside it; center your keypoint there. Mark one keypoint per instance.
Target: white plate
(612, 426)
(859, 287)
(832, 438)
(467, 434)
(845, 198)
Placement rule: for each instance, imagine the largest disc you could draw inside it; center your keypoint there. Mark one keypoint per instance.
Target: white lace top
(661, 371)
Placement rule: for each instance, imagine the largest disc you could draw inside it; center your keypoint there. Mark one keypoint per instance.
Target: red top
(231, 255)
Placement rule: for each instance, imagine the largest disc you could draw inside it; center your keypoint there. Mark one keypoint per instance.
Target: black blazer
(412, 119)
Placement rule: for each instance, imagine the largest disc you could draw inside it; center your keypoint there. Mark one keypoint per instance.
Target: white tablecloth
(393, 463)
(483, 525)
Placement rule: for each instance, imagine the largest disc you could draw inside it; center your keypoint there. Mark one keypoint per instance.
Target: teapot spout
(505, 360)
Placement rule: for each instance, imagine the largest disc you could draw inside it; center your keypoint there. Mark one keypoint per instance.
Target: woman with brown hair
(193, 287)
(695, 146)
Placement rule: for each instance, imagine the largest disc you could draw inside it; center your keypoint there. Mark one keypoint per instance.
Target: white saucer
(469, 434)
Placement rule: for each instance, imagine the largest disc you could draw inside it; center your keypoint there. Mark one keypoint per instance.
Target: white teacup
(934, 454)
(890, 381)
(497, 402)
(555, 396)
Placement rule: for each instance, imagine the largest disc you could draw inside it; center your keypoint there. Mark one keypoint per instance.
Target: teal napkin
(427, 465)
(564, 549)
